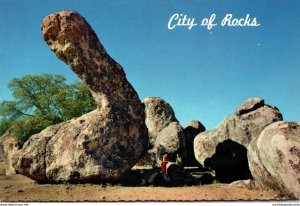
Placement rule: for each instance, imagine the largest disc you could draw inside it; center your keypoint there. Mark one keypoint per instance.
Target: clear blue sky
(203, 74)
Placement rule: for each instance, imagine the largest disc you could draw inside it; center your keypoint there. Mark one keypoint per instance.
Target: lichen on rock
(274, 158)
(103, 144)
(241, 128)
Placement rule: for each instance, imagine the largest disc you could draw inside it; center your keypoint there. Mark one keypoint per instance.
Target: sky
(203, 74)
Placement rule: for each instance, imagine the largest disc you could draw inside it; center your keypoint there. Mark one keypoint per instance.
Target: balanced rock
(103, 144)
(170, 140)
(241, 129)
(191, 130)
(8, 147)
(274, 158)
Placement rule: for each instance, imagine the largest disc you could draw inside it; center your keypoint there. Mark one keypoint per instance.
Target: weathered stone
(249, 105)
(159, 114)
(103, 144)
(250, 184)
(31, 160)
(8, 147)
(241, 129)
(274, 158)
(194, 127)
(170, 140)
(191, 130)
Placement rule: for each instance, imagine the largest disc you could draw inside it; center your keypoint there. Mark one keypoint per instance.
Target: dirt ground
(20, 188)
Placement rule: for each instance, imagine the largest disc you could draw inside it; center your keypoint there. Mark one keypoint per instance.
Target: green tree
(5, 124)
(41, 101)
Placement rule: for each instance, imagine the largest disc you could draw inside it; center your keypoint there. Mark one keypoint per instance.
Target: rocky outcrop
(274, 158)
(241, 128)
(191, 130)
(170, 140)
(8, 147)
(159, 114)
(103, 144)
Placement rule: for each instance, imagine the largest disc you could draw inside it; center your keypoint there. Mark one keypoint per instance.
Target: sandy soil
(20, 188)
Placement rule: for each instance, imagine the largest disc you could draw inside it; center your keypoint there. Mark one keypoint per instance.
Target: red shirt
(163, 167)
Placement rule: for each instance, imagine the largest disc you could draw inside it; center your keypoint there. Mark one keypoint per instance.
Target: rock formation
(191, 130)
(170, 140)
(243, 127)
(159, 114)
(274, 158)
(8, 147)
(103, 144)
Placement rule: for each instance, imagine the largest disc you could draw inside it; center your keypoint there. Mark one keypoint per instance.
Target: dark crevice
(230, 162)
(255, 107)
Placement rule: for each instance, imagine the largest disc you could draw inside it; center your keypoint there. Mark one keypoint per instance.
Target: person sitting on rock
(178, 160)
(163, 166)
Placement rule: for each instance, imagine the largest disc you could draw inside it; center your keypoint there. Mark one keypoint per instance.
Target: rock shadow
(176, 176)
(230, 162)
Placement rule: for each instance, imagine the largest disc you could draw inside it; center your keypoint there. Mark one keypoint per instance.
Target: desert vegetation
(40, 101)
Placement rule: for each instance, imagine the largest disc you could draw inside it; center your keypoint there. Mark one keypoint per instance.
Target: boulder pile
(159, 114)
(229, 158)
(166, 136)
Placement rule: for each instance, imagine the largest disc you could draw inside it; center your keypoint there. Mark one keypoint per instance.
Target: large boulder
(193, 127)
(191, 130)
(159, 114)
(243, 127)
(274, 158)
(103, 144)
(171, 141)
(8, 147)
